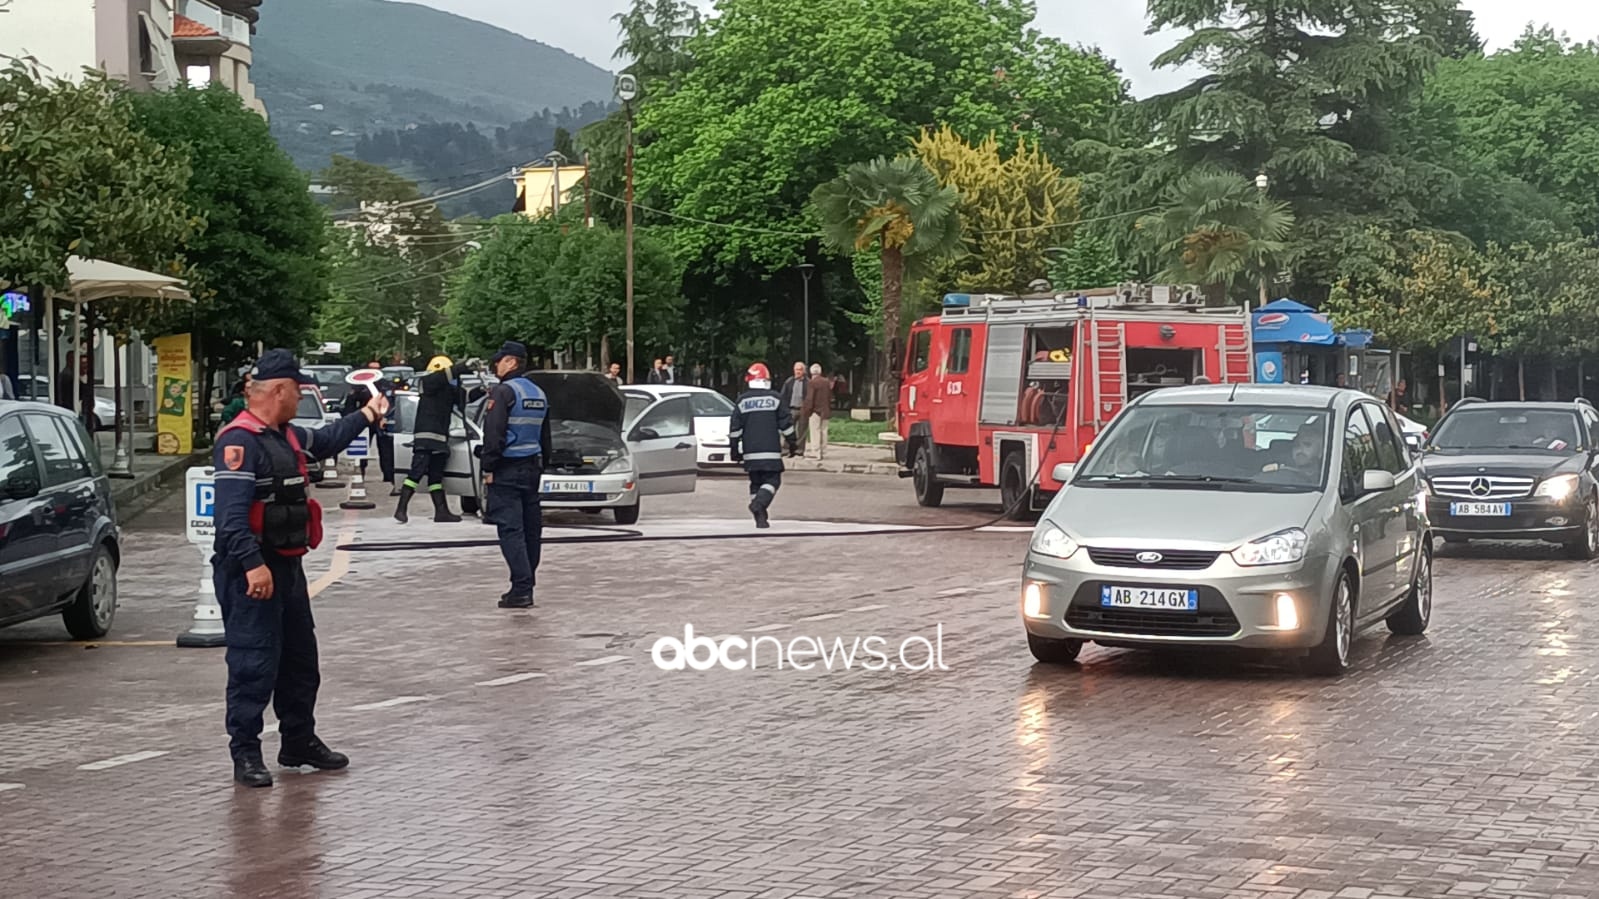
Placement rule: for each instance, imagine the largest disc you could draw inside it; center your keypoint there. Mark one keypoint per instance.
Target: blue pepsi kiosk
(1295, 344)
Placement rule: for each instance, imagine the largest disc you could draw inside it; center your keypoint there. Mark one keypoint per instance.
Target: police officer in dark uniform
(761, 422)
(382, 433)
(515, 445)
(430, 444)
(265, 522)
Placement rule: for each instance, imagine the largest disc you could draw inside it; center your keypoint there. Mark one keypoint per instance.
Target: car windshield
(309, 407)
(1531, 430)
(1231, 447)
(332, 382)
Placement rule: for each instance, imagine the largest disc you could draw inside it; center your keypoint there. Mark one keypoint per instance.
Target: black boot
(250, 771)
(514, 600)
(441, 507)
(758, 509)
(314, 753)
(406, 493)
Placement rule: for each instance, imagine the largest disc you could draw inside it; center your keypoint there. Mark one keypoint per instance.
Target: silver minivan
(1249, 516)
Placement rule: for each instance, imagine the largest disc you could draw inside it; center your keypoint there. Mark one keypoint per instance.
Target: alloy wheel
(104, 587)
(1343, 620)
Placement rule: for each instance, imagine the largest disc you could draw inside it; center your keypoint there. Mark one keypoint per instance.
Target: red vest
(284, 517)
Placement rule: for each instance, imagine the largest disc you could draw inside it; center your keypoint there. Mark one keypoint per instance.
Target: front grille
(1170, 559)
(1153, 624)
(1482, 487)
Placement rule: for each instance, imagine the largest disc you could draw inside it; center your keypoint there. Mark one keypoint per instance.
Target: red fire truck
(998, 390)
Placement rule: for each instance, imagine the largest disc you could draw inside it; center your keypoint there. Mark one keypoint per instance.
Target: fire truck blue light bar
(957, 299)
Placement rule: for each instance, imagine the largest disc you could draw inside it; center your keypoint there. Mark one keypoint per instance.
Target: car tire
(626, 514)
(1586, 546)
(1415, 613)
(94, 608)
(1330, 657)
(1051, 651)
(1014, 490)
(929, 491)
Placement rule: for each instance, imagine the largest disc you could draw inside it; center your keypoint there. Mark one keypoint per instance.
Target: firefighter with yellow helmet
(430, 447)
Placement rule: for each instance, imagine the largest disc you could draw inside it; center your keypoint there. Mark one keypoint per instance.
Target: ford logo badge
(1149, 558)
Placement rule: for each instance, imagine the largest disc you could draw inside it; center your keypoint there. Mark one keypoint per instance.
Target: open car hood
(581, 396)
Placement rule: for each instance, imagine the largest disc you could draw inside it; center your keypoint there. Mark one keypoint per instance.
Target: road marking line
(866, 608)
(128, 759)
(339, 567)
(822, 617)
(389, 703)
(5, 787)
(767, 627)
(604, 660)
(510, 679)
(1006, 529)
(85, 644)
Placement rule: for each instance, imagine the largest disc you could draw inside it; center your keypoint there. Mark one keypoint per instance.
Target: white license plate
(1149, 598)
(568, 486)
(1500, 510)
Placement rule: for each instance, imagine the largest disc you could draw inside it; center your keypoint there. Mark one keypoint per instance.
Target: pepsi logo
(1271, 318)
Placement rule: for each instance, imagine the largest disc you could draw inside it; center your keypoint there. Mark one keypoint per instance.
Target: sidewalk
(151, 473)
(845, 458)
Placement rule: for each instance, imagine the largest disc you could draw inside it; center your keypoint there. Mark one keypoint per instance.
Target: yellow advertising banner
(174, 396)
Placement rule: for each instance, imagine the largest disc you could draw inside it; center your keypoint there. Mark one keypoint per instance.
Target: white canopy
(89, 280)
(96, 279)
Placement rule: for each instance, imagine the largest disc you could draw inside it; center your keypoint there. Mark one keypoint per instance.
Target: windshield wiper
(1185, 480)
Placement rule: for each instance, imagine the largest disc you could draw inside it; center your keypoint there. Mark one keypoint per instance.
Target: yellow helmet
(440, 363)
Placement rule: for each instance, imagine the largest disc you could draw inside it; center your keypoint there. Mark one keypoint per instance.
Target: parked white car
(600, 459)
(105, 409)
(710, 410)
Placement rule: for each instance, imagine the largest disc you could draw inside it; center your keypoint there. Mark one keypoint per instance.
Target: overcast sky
(1115, 26)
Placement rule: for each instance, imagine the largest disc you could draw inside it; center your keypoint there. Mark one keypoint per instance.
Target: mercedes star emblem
(1480, 487)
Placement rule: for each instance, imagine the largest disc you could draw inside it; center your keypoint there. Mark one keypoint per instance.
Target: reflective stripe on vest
(525, 420)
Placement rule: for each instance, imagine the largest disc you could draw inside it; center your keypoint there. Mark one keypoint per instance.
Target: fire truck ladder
(1236, 347)
(1108, 341)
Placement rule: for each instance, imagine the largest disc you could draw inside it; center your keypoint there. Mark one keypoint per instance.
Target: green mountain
(330, 71)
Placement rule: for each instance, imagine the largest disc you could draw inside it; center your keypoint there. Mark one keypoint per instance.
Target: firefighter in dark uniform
(265, 522)
(430, 446)
(761, 422)
(515, 445)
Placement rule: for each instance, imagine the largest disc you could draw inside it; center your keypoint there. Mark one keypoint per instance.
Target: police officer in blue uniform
(760, 423)
(515, 445)
(266, 521)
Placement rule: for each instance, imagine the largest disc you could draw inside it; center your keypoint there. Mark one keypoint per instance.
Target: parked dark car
(1516, 471)
(59, 542)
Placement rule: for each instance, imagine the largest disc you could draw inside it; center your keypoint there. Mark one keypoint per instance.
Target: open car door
(664, 449)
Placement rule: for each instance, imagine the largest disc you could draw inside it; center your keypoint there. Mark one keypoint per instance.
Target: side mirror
(19, 488)
(1413, 440)
(1377, 481)
(1063, 472)
(646, 434)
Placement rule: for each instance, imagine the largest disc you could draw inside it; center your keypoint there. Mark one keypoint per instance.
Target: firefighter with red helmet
(759, 426)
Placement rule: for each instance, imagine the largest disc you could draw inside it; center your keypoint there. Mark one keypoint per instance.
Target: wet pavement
(544, 753)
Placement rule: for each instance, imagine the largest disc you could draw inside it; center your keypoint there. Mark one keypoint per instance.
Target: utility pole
(588, 202)
(1264, 183)
(627, 89)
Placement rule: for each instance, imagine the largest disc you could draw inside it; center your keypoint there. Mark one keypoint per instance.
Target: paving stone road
(509, 754)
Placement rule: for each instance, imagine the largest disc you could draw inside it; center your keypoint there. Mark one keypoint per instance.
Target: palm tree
(898, 208)
(1216, 229)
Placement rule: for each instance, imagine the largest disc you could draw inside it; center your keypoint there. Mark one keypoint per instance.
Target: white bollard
(330, 474)
(207, 629)
(356, 452)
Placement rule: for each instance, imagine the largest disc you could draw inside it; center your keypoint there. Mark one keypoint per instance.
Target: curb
(132, 498)
(869, 468)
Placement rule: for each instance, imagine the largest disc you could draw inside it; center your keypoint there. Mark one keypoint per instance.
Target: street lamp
(1263, 182)
(806, 269)
(627, 90)
(555, 158)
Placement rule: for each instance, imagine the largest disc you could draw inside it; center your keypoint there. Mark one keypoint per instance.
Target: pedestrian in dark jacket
(793, 395)
(761, 422)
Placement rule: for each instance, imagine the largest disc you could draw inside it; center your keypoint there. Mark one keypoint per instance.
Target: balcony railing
(226, 24)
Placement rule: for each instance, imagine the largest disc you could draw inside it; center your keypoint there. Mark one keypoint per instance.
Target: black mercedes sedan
(1516, 471)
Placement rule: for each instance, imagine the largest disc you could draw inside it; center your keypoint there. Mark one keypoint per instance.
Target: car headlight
(1558, 487)
(1049, 540)
(1280, 548)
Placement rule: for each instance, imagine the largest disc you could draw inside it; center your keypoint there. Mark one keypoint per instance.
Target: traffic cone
(357, 498)
(330, 474)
